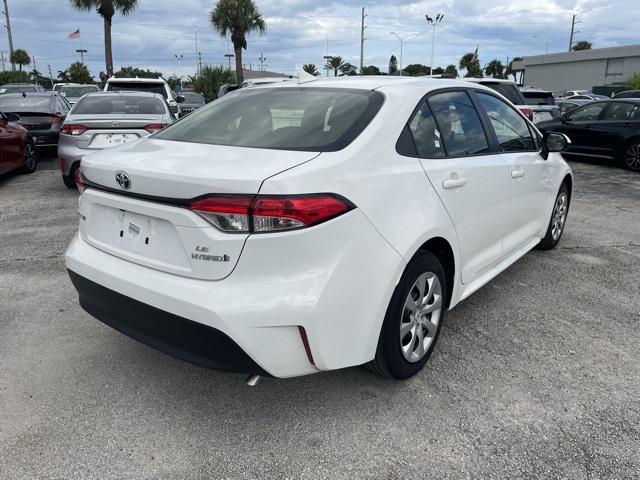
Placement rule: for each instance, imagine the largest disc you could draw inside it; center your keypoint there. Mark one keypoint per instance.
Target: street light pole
(399, 38)
(546, 43)
(8, 25)
(179, 58)
(433, 23)
(195, 27)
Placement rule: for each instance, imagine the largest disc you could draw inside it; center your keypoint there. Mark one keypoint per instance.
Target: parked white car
(287, 230)
(151, 85)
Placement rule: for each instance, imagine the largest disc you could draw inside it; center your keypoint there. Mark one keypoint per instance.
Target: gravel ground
(537, 375)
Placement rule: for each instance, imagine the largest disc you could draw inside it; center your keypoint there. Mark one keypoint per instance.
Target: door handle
(517, 173)
(454, 183)
(588, 126)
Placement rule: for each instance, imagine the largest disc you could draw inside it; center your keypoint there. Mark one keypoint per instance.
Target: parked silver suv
(102, 120)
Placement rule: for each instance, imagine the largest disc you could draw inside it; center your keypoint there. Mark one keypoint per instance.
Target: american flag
(74, 35)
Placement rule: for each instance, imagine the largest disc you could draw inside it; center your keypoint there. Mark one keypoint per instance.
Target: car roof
(30, 94)
(488, 79)
(534, 89)
(136, 79)
(125, 93)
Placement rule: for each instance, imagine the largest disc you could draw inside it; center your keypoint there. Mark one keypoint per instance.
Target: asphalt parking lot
(537, 375)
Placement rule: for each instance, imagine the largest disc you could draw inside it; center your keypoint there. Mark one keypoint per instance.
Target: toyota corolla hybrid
(296, 228)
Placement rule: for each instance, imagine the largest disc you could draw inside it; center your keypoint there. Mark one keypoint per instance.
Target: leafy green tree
(106, 9)
(451, 70)
(79, 73)
(438, 71)
(14, 77)
(510, 71)
(348, 70)
(132, 72)
(174, 81)
(494, 69)
(581, 45)
(416, 70)
(393, 65)
(211, 79)
(634, 81)
(311, 69)
(238, 18)
(370, 70)
(471, 64)
(21, 57)
(335, 64)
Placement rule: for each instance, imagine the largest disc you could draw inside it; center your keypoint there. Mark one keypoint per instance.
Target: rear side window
(136, 87)
(426, 135)
(305, 119)
(539, 98)
(507, 90)
(511, 129)
(116, 104)
(458, 124)
(586, 112)
(619, 111)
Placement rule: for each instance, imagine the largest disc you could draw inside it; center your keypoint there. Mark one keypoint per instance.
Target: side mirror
(12, 117)
(179, 98)
(556, 142)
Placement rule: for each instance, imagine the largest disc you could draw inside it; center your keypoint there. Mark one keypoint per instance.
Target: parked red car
(17, 149)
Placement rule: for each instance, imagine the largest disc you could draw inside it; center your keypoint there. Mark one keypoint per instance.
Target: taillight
(267, 213)
(527, 113)
(80, 181)
(154, 127)
(56, 120)
(72, 129)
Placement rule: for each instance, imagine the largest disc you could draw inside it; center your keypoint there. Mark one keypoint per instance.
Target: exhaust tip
(252, 380)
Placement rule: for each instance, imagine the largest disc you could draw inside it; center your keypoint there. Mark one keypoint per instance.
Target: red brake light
(72, 129)
(154, 127)
(527, 113)
(80, 181)
(267, 213)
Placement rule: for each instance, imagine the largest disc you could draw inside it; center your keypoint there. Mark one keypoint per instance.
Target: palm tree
(311, 69)
(238, 18)
(63, 75)
(106, 9)
(211, 79)
(335, 64)
(494, 69)
(581, 45)
(21, 57)
(471, 64)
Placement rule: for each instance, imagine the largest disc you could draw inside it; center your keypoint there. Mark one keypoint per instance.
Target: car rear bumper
(334, 280)
(45, 138)
(182, 338)
(69, 154)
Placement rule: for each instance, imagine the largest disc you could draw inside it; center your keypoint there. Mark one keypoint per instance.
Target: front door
(472, 182)
(579, 125)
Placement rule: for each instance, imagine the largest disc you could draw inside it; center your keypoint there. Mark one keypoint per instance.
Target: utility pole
(262, 62)
(81, 51)
(433, 22)
(8, 26)
(179, 58)
(200, 63)
(573, 31)
(362, 39)
(399, 38)
(229, 56)
(50, 76)
(195, 27)
(2, 59)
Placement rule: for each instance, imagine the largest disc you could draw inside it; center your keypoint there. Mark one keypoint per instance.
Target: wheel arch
(568, 181)
(443, 250)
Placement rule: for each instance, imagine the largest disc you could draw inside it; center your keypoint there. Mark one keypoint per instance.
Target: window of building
(615, 66)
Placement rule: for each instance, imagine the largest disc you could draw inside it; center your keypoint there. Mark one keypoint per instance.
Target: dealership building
(581, 70)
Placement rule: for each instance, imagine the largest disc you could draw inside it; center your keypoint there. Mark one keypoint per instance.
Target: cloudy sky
(298, 31)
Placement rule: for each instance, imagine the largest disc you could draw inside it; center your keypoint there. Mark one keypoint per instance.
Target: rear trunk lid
(150, 223)
(37, 120)
(104, 131)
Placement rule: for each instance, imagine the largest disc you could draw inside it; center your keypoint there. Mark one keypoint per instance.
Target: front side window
(586, 112)
(620, 111)
(426, 135)
(511, 129)
(458, 124)
(305, 119)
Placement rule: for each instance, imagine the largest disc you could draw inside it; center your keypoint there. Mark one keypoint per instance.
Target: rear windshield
(191, 97)
(25, 102)
(507, 90)
(125, 104)
(17, 89)
(539, 98)
(136, 87)
(306, 119)
(75, 92)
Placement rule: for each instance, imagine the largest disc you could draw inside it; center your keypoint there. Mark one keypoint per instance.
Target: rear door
(520, 148)
(579, 123)
(469, 177)
(618, 120)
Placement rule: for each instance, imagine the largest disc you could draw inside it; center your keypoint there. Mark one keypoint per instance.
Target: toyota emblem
(123, 180)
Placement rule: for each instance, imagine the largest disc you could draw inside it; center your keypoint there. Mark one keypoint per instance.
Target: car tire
(30, 157)
(558, 220)
(413, 320)
(70, 180)
(631, 156)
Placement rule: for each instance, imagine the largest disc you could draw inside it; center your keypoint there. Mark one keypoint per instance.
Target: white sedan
(294, 228)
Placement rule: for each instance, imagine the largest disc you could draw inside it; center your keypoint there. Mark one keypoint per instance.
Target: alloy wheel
(559, 216)
(632, 157)
(29, 156)
(420, 317)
